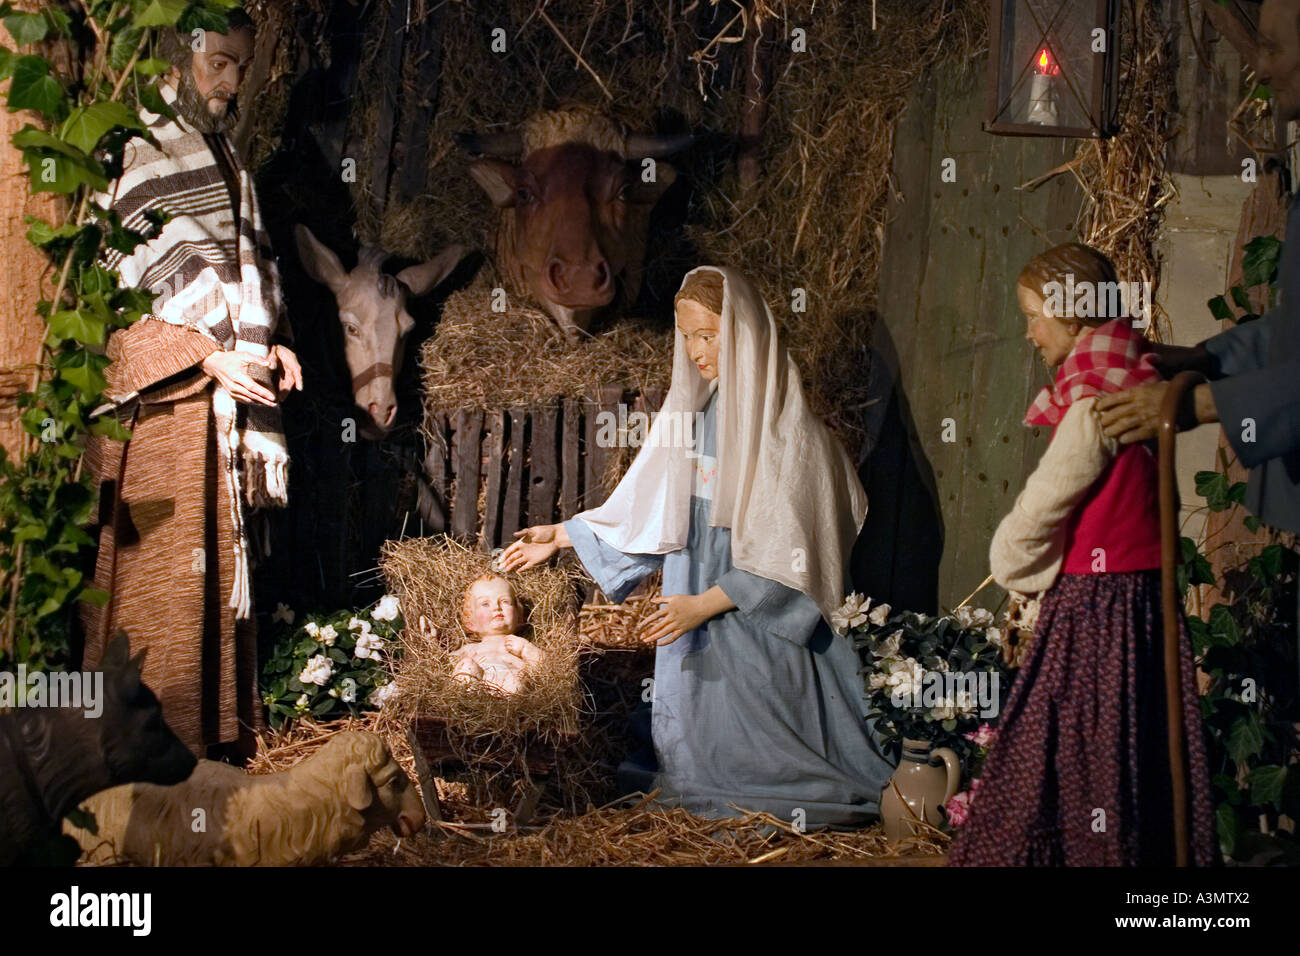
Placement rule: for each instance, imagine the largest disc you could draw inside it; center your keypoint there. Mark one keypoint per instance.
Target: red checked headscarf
(1111, 358)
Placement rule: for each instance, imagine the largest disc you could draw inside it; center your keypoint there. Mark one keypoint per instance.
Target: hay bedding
(430, 576)
(478, 358)
(576, 826)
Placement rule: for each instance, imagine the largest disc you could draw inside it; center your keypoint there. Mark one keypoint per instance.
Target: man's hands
(533, 546)
(1134, 415)
(682, 613)
(230, 368)
(282, 357)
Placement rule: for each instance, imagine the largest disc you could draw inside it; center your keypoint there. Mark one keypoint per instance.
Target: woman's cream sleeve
(1029, 545)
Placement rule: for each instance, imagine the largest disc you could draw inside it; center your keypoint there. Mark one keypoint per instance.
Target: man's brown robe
(174, 569)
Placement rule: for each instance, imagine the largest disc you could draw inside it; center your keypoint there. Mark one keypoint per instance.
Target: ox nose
(563, 275)
(383, 415)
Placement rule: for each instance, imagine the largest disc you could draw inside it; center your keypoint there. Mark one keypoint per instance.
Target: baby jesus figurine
(499, 658)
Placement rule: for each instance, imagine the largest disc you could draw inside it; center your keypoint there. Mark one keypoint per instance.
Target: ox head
(372, 311)
(575, 208)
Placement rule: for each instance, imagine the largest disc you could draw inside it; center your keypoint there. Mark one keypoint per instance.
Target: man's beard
(194, 108)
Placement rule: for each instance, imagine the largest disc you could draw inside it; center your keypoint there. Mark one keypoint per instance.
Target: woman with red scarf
(1079, 774)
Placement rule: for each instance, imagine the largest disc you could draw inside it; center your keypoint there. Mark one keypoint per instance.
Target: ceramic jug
(926, 777)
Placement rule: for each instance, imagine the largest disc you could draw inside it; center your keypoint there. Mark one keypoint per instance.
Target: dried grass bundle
(430, 576)
(478, 358)
(1125, 179)
(647, 836)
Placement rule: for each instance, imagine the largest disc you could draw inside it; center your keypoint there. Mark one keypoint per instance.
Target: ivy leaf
(1223, 629)
(1219, 307)
(1266, 785)
(1260, 260)
(151, 66)
(1229, 827)
(78, 325)
(153, 101)
(1246, 739)
(1240, 297)
(1271, 559)
(1251, 522)
(33, 88)
(41, 234)
(27, 28)
(83, 374)
(88, 124)
(161, 13)
(6, 62)
(110, 427)
(94, 596)
(29, 137)
(208, 16)
(1261, 92)
(1213, 487)
(123, 47)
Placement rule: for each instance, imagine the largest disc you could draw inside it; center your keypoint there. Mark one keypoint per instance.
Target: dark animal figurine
(52, 758)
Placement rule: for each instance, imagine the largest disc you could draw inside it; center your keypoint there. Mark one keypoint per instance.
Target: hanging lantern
(1052, 67)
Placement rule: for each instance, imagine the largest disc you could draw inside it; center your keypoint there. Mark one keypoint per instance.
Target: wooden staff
(1169, 555)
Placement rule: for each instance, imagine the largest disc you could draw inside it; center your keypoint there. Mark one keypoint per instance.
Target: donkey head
(372, 310)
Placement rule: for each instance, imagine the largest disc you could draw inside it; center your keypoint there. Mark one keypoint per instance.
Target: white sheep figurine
(325, 806)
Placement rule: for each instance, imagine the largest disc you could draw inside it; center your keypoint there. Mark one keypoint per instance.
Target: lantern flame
(1045, 65)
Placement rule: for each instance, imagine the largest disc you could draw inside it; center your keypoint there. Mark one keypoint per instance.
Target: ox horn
(506, 144)
(641, 145)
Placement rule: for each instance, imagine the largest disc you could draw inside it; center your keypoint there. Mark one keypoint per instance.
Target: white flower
(283, 613)
(334, 691)
(368, 646)
(879, 615)
(945, 711)
(852, 613)
(905, 678)
(302, 701)
(387, 609)
(327, 635)
(383, 694)
(318, 671)
(890, 646)
(878, 681)
(311, 628)
(981, 617)
(360, 624)
(964, 616)
(967, 705)
(995, 636)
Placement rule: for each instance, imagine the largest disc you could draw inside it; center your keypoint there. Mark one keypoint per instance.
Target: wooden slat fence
(495, 471)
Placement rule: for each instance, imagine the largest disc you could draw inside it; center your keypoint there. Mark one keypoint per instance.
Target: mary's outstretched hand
(534, 545)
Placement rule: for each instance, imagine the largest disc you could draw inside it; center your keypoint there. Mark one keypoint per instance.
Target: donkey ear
(319, 261)
(422, 278)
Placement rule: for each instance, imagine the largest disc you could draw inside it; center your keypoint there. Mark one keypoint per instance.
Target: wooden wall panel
(949, 342)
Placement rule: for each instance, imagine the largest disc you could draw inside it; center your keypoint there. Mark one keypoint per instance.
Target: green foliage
(1259, 265)
(1246, 647)
(84, 119)
(345, 655)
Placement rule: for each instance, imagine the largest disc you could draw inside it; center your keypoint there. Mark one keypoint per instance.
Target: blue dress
(761, 707)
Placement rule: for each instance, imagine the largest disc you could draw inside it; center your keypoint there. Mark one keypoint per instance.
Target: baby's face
(491, 608)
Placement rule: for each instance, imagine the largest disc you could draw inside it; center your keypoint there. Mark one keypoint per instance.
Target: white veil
(785, 486)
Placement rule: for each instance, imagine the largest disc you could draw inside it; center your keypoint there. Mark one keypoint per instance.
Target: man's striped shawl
(213, 267)
(205, 269)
